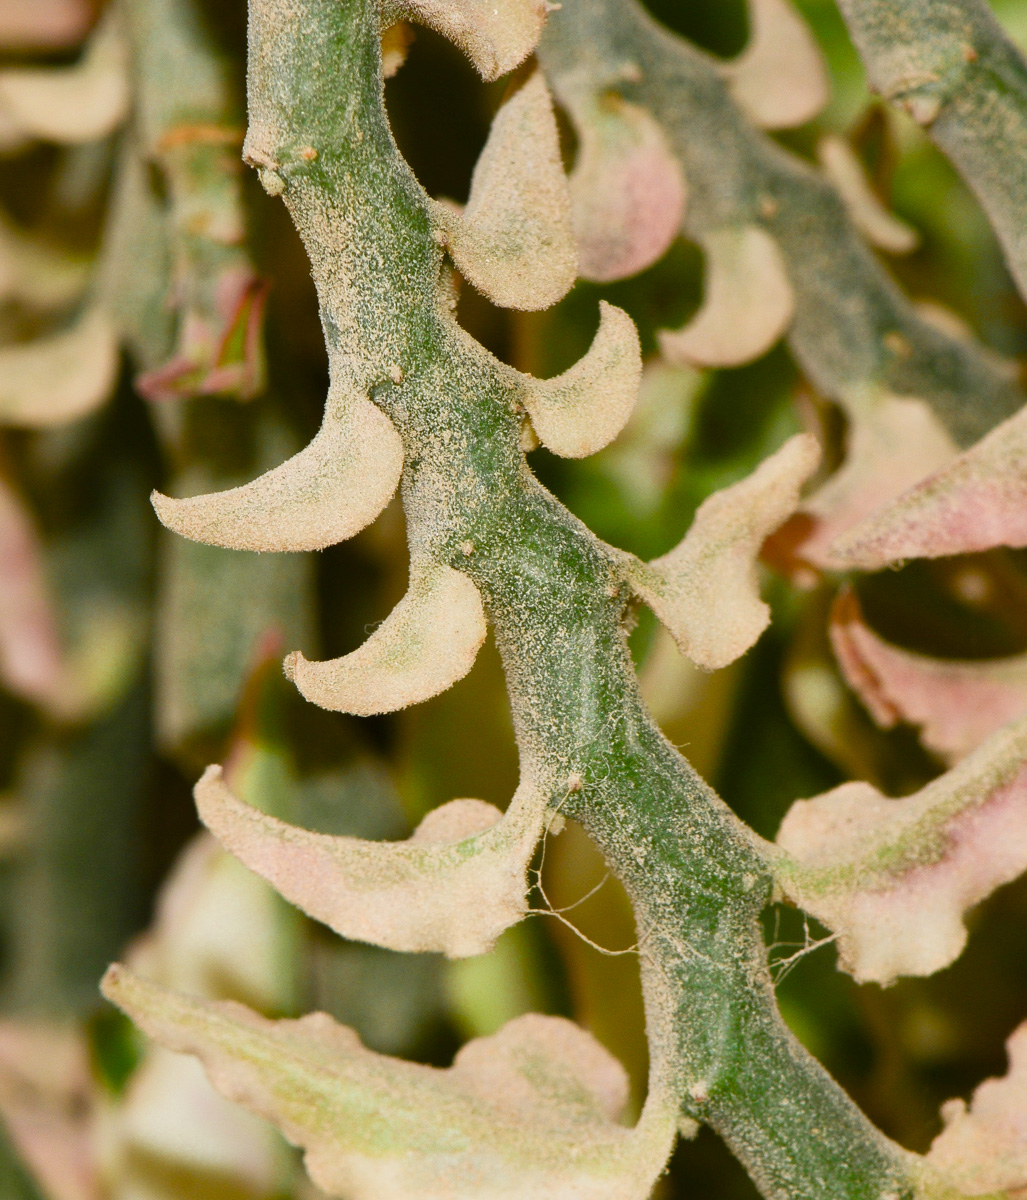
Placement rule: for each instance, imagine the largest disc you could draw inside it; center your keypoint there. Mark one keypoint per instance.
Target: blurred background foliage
(181, 643)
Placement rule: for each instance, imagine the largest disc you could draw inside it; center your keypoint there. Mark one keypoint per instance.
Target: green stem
(696, 875)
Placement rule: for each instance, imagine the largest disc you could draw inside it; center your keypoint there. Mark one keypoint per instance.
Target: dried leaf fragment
(983, 1148)
(328, 492)
(628, 191)
(706, 590)
(528, 1112)
(496, 37)
(514, 241)
(780, 78)
(583, 410)
(453, 887)
(976, 501)
(882, 228)
(60, 377)
(747, 306)
(430, 641)
(81, 103)
(893, 878)
(958, 705)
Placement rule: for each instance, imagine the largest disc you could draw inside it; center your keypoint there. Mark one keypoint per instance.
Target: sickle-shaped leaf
(583, 410)
(780, 78)
(328, 492)
(957, 705)
(453, 887)
(514, 240)
(529, 1112)
(430, 640)
(893, 878)
(706, 590)
(496, 37)
(747, 306)
(883, 228)
(628, 191)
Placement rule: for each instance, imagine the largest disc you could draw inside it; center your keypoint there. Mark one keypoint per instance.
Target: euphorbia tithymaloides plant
(934, 465)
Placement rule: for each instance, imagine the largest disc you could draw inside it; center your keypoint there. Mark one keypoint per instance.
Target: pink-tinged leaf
(747, 306)
(893, 878)
(628, 191)
(894, 441)
(780, 78)
(957, 705)
(429, 641)
(882, 228)
(583, 410)
(514, 241)
(976, 501)
(529, 1112)
(323, 495)
(81, 103)
(496, 37)
(60, 377)
(31, 663)
(983, 1148)
(46, 1106)
(453, 887)
(43, 24)
(706, 590)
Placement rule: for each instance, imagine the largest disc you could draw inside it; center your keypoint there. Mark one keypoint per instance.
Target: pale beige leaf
(983, 1148)
(747, 306)
(583, 410)
(396, 41)
(628, 191)
(59, 377)
(45, 1105)
(495, 36)
(882, 228)
(527, 1113)
(780, 78)
(31, 663)
(893, 442)
(957, 704)
(514, 241)
(42, 24)
(33, 273)
(974, 501)
(706, 590)
(81, 103)
(893, 878)
(428, 642)
(328, 492)
(453, 887)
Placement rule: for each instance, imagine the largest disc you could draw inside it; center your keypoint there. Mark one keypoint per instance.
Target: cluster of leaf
(925, 425)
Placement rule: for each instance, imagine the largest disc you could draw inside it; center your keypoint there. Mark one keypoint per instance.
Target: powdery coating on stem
(975, 502)
(583, 410)
(429, 641)
(950, 65)
(883, 228)
(957, 705)
(514, 240)
(893, 878)
(528, 1112)
(780, 78)
(59, 377)
(718, 557)
(70, 104)
(495, 36)
(323, 495)
(893, 442)
(984, 1148)
(747, 306)
(31, 663)
(453, 887)
(628, 192)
